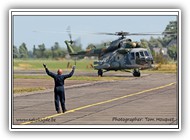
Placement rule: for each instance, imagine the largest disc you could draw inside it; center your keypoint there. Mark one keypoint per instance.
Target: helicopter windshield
(146, 53)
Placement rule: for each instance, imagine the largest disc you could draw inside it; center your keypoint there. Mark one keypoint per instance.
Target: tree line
(168, 41)
(40, 51)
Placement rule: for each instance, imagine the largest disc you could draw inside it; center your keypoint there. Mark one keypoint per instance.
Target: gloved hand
(73, 67)
(44, 65)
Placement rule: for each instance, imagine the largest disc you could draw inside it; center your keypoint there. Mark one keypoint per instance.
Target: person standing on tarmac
(59, 92)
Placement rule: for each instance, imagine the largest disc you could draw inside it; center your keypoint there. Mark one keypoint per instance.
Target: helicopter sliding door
(132, 58)
(137, 55)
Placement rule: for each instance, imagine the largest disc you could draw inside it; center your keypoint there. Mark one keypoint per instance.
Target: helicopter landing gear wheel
(100, 72)
(136, 73)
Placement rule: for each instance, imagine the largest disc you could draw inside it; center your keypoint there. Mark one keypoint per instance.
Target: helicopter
(122, 54)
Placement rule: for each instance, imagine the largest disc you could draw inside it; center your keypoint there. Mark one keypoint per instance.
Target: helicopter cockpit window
(132, 55)
(137, 55)
(146, 53)
(142, 54)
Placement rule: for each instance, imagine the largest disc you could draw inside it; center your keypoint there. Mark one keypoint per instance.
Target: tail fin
(69, 47)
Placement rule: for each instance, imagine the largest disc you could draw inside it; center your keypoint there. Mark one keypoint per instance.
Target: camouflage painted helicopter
(122, 54)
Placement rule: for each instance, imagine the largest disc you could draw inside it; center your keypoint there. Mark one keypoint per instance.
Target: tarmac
(152, 99)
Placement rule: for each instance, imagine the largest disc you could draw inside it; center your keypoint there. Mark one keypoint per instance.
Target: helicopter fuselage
(121, 59)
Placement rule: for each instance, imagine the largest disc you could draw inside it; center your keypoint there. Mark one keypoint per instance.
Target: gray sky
(24, 27)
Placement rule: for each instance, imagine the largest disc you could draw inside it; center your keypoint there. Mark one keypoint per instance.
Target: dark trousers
(59, 97)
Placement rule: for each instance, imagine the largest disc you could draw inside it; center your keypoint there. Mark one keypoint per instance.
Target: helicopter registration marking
(99, 103)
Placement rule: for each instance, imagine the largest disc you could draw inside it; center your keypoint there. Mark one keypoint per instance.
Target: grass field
(25, 90)
(167, 67)
(52, 64)
(82, 65)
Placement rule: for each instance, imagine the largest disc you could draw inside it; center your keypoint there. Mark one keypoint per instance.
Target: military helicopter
(122, 54)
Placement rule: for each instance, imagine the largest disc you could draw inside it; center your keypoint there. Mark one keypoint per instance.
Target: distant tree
(34, 51)
(57, 51)
(159, 58)
(171, 28)
(23, 51)
(52, 51)
(15, 52)
(56, 46)
(154, 43)
(39, 52)
(48, 53)
(172, 52)
(144, 43)
(30, 54)
(42, 49)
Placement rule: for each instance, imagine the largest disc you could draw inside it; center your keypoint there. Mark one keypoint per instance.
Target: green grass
(81, 65)
(35, 64)
(24, 90)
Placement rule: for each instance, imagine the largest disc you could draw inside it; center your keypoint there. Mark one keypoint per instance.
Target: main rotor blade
(134, 34)
(144, 34)
(126, 33)
(105, 33)
(155, 33)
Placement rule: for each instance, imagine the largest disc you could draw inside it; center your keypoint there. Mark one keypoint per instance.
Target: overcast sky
(49, 28)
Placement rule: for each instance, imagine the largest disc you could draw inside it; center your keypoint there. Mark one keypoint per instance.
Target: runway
(149, 100)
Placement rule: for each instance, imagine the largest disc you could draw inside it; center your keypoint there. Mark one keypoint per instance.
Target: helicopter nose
(149, 60)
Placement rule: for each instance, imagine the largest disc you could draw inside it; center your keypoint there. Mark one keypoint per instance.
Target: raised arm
(70, 74)
(49, 72)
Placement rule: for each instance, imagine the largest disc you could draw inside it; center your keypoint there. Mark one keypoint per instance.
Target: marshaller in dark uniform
(59, 92)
